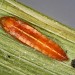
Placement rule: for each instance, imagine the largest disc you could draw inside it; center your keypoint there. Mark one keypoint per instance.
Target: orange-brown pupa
(30, 36)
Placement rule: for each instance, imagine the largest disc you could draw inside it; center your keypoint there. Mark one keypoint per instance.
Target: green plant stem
(19, 59)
